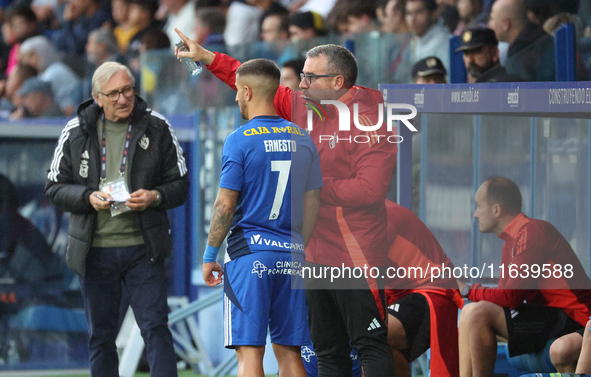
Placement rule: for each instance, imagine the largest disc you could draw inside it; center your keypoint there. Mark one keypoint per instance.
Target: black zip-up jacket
(156, 161)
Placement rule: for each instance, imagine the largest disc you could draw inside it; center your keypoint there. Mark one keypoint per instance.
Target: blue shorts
(258, 295)
(311, 362)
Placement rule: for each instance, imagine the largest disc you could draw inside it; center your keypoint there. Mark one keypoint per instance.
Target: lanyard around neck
(104, 152)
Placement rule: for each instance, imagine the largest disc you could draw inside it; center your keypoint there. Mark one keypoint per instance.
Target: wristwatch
(465, 291)
(158, 199)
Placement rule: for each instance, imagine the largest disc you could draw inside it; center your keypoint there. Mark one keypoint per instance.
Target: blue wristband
(211, 254)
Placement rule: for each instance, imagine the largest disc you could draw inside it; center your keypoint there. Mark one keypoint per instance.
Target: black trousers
(344, 318)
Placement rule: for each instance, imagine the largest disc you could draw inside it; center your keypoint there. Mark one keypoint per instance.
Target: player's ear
(247, 93)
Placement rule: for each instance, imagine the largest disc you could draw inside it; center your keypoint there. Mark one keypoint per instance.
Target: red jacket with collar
(352, 225)
(530, 242)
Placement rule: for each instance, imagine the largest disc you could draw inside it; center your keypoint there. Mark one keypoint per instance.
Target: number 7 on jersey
(283, 167)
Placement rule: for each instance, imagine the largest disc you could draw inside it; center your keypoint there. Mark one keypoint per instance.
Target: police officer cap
(476, 38)
(428, 66)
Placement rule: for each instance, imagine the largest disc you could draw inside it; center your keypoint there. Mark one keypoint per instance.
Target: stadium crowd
(61, 42)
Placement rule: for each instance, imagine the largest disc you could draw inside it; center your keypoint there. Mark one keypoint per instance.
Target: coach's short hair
(105, 71)
(504, 192)
(339, 61)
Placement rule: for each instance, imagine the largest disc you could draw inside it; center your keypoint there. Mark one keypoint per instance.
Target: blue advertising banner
(520, 98)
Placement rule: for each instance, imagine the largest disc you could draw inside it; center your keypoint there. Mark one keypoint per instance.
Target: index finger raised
(183, 36)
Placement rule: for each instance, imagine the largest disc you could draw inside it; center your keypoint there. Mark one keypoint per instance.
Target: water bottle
(193, 67)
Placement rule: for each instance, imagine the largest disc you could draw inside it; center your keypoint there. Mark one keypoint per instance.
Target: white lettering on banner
(465, 96)
(569, 96)
(513, 98)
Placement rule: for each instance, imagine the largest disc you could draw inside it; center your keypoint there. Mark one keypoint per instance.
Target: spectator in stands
(14, 82)
(447, 14)
(21, 24)
(10, 48)
(275, 28)
(242, 22)
(268, 7)
(360, 16)
(80, 18)
(101, 47)
(538, 11)
(429, 70)
(46, 12)
(523, 311)
(209, 28)
(305, 26)
(124, 30)
(181, 14)
(37, 101)
(481, 56)
(430, 37)
(468, 10)
(391, 16)
(142, 16)
(290, 73)
(531, 49)
(42, 55)
(571, 353)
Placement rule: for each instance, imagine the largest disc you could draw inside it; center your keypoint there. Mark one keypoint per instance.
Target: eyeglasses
(114, 95)
(308, 77)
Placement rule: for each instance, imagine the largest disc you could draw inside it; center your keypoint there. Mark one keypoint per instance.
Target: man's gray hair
(339, 61)
(104, 72)
(106, 37)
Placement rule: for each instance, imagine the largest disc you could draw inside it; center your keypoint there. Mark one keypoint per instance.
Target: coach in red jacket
(543, 291)
(352, 225)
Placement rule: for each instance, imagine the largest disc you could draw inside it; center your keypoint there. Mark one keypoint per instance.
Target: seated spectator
(538, 11)
(37, 101)
(305, 26)
(142, 16)
(46, 12)
(447, 14)
(360, 16)
(101, 47)
(523, 311)
(468, 10)
(430, 38)
(481, 56)
(275, 28)
(10, 53)
(290, 73)
(391, 16)
(429, 71)
(531, 49)
(210, 24)
(180, 14)
(242, 22)
(572, 353)
(80, 18)
(42, 55)
(15, 81)
(124, 30)
(21, 24)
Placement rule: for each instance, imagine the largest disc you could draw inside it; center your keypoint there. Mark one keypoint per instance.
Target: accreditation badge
(118, 191)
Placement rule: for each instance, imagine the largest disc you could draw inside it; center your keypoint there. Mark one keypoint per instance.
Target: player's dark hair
(431, 5)
(260, 67)
(504, 192)
(339, 61)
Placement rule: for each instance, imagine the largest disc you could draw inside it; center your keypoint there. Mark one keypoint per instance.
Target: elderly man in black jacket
(117, 168)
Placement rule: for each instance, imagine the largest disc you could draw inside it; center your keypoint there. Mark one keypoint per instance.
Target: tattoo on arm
(221, 219)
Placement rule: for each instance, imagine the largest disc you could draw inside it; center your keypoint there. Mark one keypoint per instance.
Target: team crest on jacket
(144, 142)
(84, 164)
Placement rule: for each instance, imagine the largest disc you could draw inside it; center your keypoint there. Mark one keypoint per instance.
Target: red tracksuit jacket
(352, 225)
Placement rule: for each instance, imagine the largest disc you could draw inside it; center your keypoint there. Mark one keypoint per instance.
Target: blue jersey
(272, 163)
